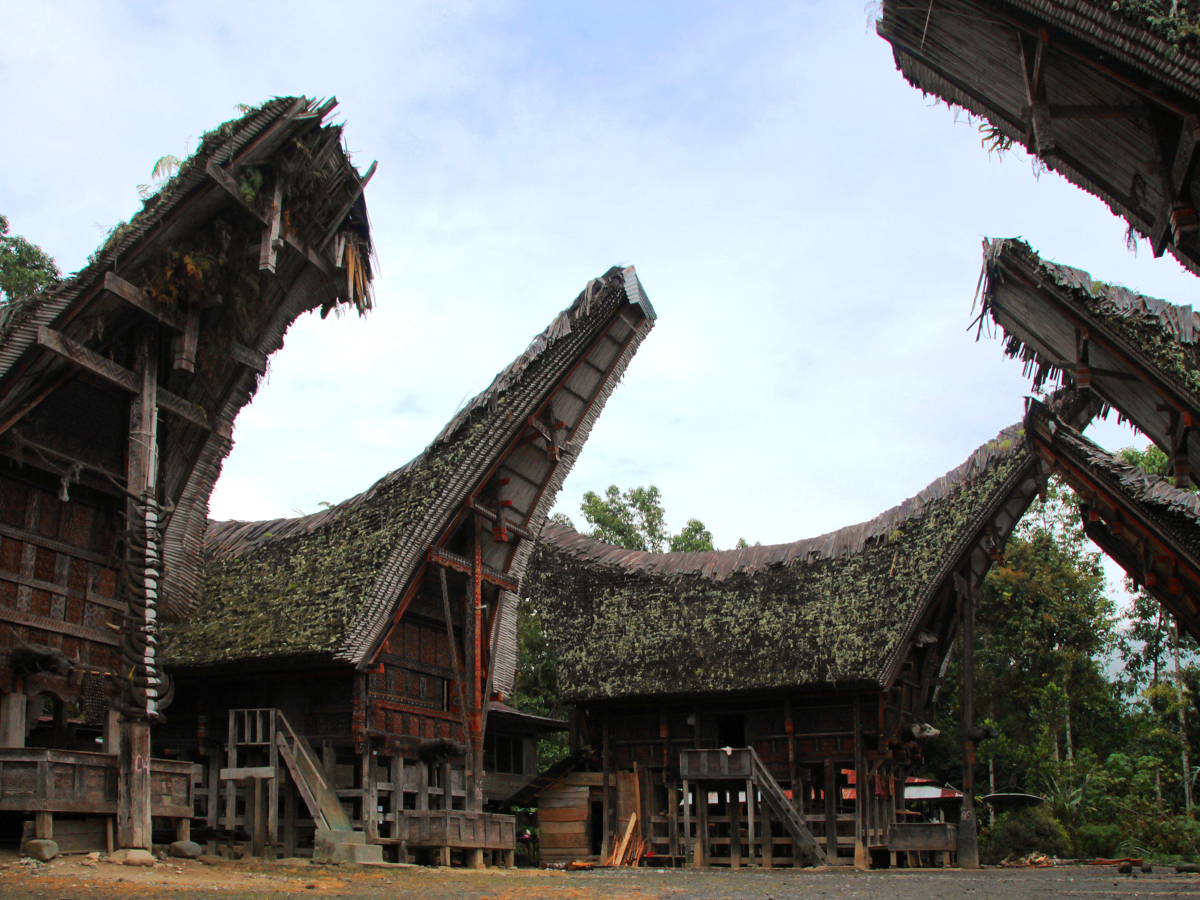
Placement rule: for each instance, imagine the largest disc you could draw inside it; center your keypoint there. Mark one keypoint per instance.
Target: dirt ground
(74, 877)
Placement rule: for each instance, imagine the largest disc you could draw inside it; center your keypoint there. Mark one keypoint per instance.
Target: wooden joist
(491, 515)
(105, 368)
(248, 357)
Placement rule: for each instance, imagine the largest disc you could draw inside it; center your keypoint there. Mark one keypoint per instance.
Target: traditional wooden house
(118, 389)
(1106, 94)
(362, 649)
(724, 701)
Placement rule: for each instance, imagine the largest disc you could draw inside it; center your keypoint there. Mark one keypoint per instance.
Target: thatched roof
(1143, 353)
(827, 611)
(194, 249)
(330, 582)
(1106, 94)
(1145, 523)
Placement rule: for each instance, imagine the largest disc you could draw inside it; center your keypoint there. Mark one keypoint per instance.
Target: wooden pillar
(673, 844)
(968, 849)
(831, 811)
(475, 674)
(423, 785)
(43, 825)
(370, 796)
(733, 807)
(751, 801)
(112, 733)
(183, 829)
(133, 755)
(606, 801)
(256, 815)
(862, 796)
(768, 840)
(702, 823)
(686, 843)
(289, 820)
(12, 719)
(133, 785)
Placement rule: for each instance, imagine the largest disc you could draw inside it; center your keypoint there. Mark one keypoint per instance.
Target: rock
(185, 850)
(1146, 870)
(95, 854)
(138, 857)
(1188, 868)
(1124, 868)
(117, 857)
(42, 851)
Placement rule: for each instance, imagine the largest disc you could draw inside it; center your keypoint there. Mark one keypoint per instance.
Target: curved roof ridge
(842, 542)
(232, 537)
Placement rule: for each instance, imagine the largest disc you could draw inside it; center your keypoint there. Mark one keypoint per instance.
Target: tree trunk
(1067, 717)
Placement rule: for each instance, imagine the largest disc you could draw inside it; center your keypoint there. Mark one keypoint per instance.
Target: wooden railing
(39, 780)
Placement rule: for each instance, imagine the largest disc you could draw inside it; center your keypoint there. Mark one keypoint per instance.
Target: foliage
(1022, 832)
(636, 520)
(24, 267)
(536, 687)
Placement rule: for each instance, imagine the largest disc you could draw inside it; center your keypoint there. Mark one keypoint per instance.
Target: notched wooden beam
(248, 357)
(444, 558)
(136, 297)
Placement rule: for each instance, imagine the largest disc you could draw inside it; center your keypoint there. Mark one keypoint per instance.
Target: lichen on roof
(624, 624)
(1167, 336)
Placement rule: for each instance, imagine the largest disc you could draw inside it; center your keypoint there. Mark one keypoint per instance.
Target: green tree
(24, 267)
(636, 520)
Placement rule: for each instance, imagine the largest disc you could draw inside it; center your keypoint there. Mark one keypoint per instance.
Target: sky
(806, 224)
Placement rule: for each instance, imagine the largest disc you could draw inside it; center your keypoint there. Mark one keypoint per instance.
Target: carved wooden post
(133, 752)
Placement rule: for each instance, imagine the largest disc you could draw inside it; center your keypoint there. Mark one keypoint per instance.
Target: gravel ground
(73, 877)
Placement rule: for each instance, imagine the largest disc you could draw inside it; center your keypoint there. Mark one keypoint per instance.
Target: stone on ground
(41, 850)
(139, 857)
(185, 850)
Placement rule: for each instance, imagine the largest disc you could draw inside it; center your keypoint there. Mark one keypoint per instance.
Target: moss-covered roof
(310, 584)
(825, 611)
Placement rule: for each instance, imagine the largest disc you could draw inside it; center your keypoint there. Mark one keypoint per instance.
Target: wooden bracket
(1040, 133)
(136, 297)
(248, 357)
(187, 343)
(439, 556)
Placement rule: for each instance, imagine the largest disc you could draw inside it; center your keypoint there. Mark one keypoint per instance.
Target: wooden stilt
(183, 829)
(968, 849)
(735, 827)
(831, 806)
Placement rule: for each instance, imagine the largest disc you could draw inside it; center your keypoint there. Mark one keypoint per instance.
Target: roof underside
(820, 612)
(1088, 87)
(329, 582)
(1143, 358)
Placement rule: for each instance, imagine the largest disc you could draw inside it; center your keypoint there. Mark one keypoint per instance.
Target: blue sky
(807, 225)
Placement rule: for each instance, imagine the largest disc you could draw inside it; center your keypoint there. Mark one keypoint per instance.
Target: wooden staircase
(306, 771)
(782, 807)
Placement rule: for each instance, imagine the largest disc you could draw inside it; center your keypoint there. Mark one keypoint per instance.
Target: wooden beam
(1040, 129)
(105, 368)
(491, 515)
(89, 360)
(136, 297)
(336, 222)
(439, 556)
(188, 342)
(1093, 111)
(458, 675)
(248, 357)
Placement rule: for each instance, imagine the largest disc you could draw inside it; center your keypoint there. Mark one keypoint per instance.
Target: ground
(73, 877)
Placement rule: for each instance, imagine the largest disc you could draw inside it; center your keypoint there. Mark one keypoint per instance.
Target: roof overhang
(1098, 99)
(1150, 528)
(1052, 320)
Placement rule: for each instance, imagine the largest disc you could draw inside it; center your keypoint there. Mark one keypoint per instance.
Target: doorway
(731, 731)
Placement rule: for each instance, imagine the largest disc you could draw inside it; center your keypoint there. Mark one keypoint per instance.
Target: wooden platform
(62, 781)
(457, 830)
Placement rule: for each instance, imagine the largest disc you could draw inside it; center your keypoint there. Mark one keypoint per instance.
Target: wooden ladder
(782, 807)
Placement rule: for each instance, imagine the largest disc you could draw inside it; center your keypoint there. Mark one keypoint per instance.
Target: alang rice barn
(337, 685)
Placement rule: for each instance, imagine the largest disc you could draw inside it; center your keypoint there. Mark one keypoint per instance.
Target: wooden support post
(423, 774)
(687, 824)
(443, 856)
(370, 796)
(734, 808)
(702, 823)
(257, 820)
(12, 719)
(133, 757)
(862, 796)
(968, 849)
(831, 805)
(43, 825)
(673, 845)
(510, 858)
(112, 733)
(474, 618)
(475, 858)
(768, 841)
(751, 801)
(606, 810)
(183, 829)
(289, 820)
